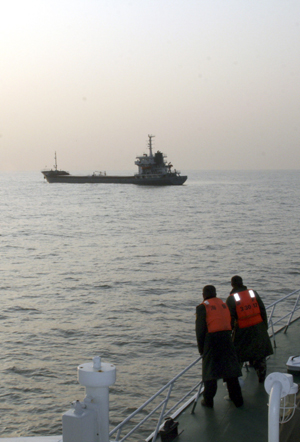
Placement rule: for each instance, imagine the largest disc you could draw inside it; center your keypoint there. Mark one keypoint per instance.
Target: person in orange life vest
(250, 326)
(213, 333)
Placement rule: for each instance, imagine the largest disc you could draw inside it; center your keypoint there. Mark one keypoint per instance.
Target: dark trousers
(234, 390)
(260, 366)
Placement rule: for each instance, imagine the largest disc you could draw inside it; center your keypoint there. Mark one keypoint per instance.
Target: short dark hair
(236, 281)
(209, 291)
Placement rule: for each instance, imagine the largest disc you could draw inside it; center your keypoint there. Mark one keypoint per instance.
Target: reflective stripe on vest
(217, 315)
(247, 309)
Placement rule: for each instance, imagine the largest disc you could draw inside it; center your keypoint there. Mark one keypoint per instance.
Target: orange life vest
(247, 308)
(217, 315)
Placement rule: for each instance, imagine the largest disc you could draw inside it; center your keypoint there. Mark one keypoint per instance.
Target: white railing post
(278, 386)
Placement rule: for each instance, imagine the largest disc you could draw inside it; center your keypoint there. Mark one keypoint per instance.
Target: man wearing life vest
(250, 326)
(213, 332)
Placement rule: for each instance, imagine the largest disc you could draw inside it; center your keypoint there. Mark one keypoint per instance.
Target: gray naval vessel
(153, 170)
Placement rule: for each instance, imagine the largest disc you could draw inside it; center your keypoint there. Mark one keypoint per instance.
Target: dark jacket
(219, 356)
(251, 343)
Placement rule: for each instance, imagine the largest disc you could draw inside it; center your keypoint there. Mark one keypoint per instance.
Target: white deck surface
(32, 439)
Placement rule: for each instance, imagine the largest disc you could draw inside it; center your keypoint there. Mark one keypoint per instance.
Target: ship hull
(164, 180)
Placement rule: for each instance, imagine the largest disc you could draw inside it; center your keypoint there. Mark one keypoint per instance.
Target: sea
(117, 271)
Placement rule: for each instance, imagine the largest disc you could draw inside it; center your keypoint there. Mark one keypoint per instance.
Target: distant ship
(153, 170)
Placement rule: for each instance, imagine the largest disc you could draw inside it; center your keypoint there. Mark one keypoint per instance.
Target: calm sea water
(117, 270)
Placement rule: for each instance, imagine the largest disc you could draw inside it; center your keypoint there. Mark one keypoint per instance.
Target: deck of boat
(225, 422)
(249, 423)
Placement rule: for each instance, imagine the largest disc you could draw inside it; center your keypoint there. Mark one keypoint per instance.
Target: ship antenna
(55, 165)
(150, 144)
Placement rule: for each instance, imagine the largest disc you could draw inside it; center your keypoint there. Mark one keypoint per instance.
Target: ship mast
(150, 144)
(55, 162)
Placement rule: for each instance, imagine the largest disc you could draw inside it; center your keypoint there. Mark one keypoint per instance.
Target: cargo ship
(153, 170)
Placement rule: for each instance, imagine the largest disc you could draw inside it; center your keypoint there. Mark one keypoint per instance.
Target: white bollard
(96, 376)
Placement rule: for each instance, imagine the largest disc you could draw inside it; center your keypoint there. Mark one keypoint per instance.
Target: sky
(216, 82)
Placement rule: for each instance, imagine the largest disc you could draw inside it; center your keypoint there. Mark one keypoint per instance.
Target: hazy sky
(216, 81)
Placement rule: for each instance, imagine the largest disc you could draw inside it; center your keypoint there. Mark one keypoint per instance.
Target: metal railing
(275, 324)
(162, 404)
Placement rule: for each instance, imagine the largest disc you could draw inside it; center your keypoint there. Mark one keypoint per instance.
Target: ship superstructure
(153, 164)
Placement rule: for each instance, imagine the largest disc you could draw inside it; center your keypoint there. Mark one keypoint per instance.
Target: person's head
(209, 291)
(236, 281)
